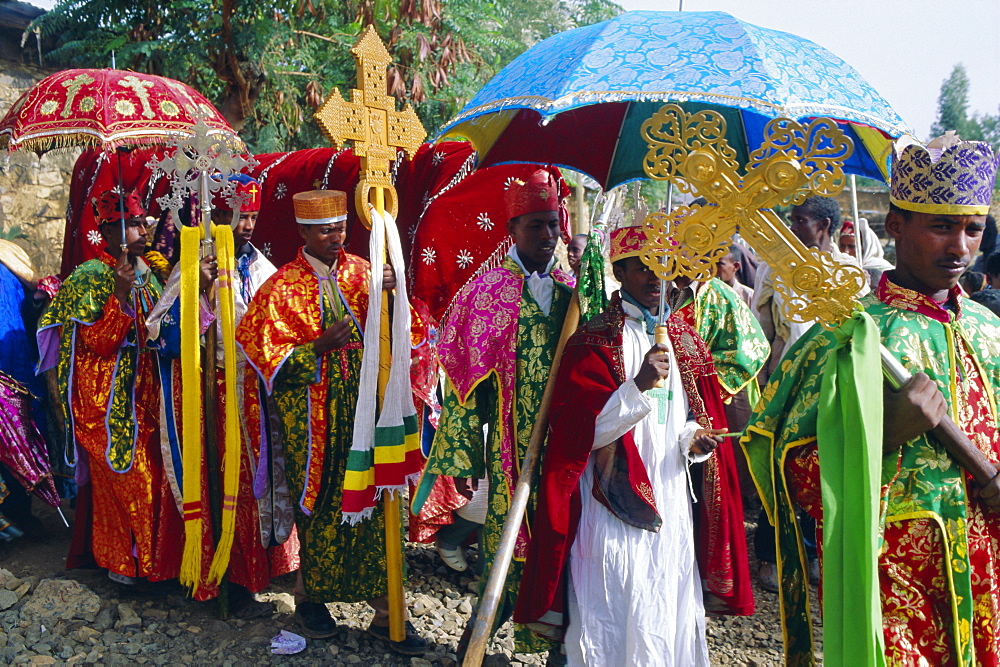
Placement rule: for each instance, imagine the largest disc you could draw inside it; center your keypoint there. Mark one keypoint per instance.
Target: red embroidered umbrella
(105, 108)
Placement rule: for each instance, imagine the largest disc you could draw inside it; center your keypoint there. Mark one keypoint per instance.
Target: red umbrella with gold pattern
(108, 108)
(105, 108)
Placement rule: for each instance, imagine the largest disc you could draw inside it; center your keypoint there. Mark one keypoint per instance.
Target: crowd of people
(661, 423)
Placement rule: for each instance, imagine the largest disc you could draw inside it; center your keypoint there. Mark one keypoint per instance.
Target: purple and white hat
(948, 177)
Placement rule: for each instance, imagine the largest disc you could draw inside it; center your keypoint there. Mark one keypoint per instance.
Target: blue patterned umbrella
(578, 98)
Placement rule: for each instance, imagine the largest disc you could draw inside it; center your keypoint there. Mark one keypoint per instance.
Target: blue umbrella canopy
(578, 98)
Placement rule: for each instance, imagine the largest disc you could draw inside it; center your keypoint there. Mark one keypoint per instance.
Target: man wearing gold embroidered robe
(940, 549)
(264, 545)
(303, 334)
(108, 380)
(496, 350)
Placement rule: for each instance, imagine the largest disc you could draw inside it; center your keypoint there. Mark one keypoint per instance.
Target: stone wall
(33, 190)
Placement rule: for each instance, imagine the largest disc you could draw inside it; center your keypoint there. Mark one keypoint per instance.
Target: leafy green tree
(268, 66)
(953, 112)
(953, 104)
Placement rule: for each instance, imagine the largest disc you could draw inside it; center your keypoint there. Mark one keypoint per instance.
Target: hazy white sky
(904, 48)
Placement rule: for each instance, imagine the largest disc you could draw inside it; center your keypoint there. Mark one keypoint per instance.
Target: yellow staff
(377, 130)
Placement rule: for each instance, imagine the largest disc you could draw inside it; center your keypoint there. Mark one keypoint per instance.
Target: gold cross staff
(376, 129)
(794, 162)
(371, 122)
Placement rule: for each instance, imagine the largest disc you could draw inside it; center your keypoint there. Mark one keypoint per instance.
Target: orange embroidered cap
(320, 207)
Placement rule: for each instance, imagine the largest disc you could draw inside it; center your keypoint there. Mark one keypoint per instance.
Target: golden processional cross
(794, 162)
(371, 122)
(377, 130)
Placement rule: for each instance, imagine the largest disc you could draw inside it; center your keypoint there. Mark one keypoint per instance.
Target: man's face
(641, 283)
(243, 232)
(135, 235)
(574, 251)
(933, 251)
(810, 230)
(535, 236)
(726, 269)
(324, 242)
(849, 245)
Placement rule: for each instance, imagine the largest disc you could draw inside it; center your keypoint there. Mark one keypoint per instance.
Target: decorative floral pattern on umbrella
(105, 107)
(577, 99)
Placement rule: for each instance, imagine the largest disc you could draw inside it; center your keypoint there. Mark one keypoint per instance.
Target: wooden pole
(858, 236)
(390, 501)
(483, 623)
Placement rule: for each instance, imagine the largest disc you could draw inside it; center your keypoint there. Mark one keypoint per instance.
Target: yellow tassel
(191, 428)
(226, 256)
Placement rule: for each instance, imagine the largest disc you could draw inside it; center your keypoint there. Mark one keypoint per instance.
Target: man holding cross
(303, 334)
(939, 555)
(612, 563)
(264, 544)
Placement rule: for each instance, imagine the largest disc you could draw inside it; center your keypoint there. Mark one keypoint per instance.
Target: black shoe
(414, 644)
(315, 620)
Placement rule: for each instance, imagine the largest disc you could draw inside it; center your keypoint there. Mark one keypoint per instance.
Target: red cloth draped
(94, 173)
(590, 371)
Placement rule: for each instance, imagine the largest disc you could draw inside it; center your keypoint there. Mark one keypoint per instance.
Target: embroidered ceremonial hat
(627, 242)
(948, 177)
(247, 189)
(320, 207)
(538, 192)
(106, 207)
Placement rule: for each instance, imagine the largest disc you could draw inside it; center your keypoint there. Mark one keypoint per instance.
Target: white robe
(635, 596)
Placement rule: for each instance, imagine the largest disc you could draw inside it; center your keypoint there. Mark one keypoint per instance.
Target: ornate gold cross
(371, 122)
(793, 163)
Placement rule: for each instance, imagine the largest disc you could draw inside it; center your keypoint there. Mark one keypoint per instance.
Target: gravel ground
(52, 616)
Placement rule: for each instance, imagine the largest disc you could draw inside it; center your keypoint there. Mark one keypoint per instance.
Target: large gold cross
(793, 163)
(371, 122)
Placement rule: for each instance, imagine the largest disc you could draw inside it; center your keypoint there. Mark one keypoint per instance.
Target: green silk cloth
(738, 345)
(590, 283)
(460, 450)
(850, 403)
(920, 481)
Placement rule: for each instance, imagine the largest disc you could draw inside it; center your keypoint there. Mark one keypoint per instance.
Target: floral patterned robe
(941, 547)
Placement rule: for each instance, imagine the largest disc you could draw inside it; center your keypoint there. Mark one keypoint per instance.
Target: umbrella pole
(390, 501)
(121, 200)
(483, 623)
(858, 236)
(210, 396)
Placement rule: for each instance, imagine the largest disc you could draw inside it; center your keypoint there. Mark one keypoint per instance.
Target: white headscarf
(872, 255)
